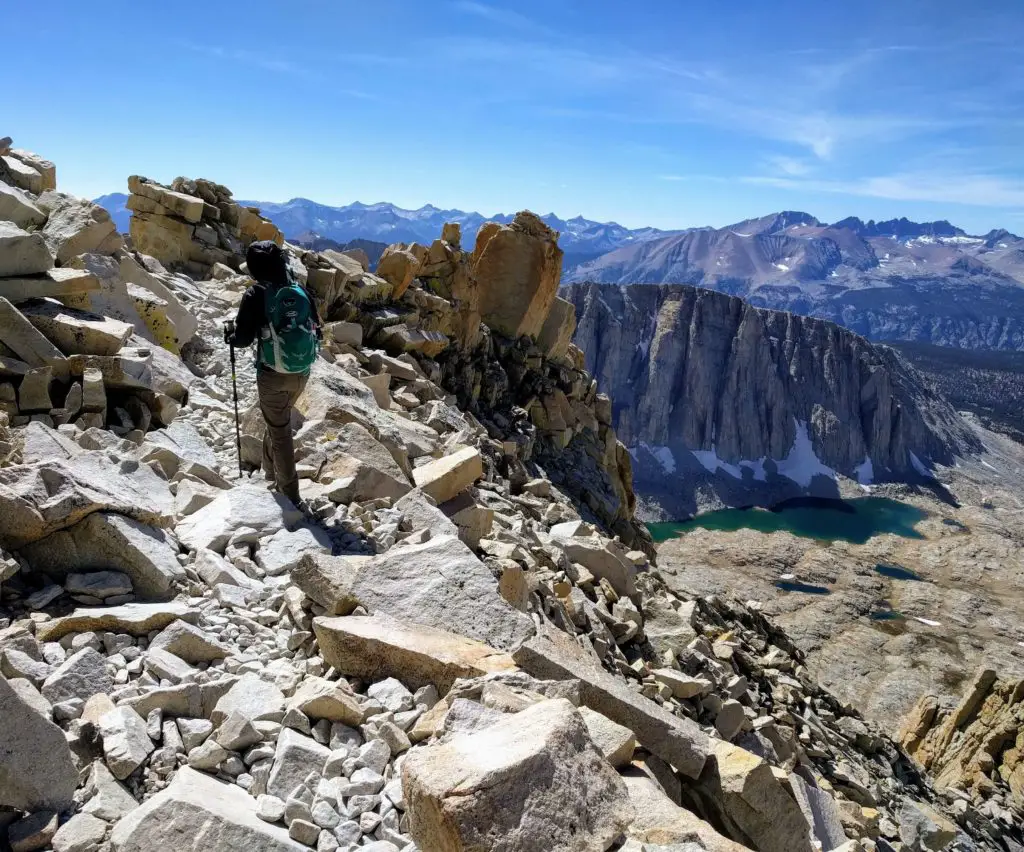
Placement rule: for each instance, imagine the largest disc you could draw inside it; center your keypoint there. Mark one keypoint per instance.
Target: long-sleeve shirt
(252, 315)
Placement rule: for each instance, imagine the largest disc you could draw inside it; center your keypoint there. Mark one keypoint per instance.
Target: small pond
(854, 520)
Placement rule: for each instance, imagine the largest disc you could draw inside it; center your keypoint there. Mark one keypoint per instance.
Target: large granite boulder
(517, 268)
(533, 780)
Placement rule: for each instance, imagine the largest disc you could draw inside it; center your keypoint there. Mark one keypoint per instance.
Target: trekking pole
(229, 330)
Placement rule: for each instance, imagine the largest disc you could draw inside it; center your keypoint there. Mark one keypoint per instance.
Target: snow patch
(781, 266)
(927, 621)
(710, 461)
(915, 462)
(802, 464)
(663, 455)
(865, 471)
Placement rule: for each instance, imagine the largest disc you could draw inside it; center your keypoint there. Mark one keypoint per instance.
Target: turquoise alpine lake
(855, 520)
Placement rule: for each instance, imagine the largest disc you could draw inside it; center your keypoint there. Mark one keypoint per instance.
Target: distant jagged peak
(999, 235)
(902, 228)
(774, 222)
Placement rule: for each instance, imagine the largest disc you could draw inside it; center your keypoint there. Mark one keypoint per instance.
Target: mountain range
(928, 282)
(301, 219)
(895, 280)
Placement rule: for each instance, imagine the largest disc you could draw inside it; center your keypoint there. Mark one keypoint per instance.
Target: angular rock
(378, 646)
(36, 767)
(556, 333)
(81, 676)
(105, 541)
(439, 584)
(197, 812)
(444, 478)
(517, 268)
(82, 833)
(33, 832)
(660, 822)
(755, 808)
(130, 369)
(137, 619)
(923, 829)
(100, 584)
(42, 498)
(252, 698)
(245, 506)
(109, 799)
(34, 391)
(55, 283)
(615, 741)
(126, 744)
(280, 553)
(74, 331)
(398, 267)
(604, 559)
(676, 740)
(22, 253)
(27, 343)
(821, 812)
(531, 781)
(422, 514)
(17, 207)
(296, 757)
(319, 698)
(76, 226)
(190, 643)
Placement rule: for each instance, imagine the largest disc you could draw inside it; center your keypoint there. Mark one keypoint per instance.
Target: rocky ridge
(445, 633)
(719, 401)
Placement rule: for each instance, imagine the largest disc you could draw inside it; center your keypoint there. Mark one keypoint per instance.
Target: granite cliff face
(750, 405)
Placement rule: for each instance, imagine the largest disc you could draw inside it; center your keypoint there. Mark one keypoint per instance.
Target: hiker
(280, 316)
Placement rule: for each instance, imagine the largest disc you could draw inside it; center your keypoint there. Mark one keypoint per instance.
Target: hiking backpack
(289, 342)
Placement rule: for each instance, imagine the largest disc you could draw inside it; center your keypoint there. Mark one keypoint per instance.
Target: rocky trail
(464, 646)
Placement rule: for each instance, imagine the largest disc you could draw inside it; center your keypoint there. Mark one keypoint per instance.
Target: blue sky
(659, 112)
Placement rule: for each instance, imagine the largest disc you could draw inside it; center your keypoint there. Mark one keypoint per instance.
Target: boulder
(349, 333)
(517, 268)
(126, 745)
(109, 799)
(556, 333)
(253, 699)
(17, 207)
(604, 559)
(615, 741)
(130, 369)
(27, 343)
(398, 267)
(81, 676)
(138, 619)
(197, 812)
(34, 391)
(21, 252)
(46, 170)
(531, 781)
(679, 741)
(446, 477)
(421, 513)
(296, 757)
(378, 646)
(108, 541)
(319, 698)
(81, 833)
(660, 822)
(359, 467)
(76, 226)
(36, 767)
(56, 283)
(923, 829)
(73, 331)
(821, 812)
(440, 584)
(245, 506)
(191, 644)
(32, 833)
(750, 803)
(21, 174)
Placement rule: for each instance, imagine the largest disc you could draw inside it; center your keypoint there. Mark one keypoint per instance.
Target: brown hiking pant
(278, 392)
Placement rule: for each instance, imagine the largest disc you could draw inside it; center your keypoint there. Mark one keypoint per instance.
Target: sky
(656, 112)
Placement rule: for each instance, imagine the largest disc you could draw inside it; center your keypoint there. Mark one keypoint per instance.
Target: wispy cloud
(499, 15)
(248, 57)
(978, 189)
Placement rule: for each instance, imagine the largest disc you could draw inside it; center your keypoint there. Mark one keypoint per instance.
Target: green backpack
(288, 343)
